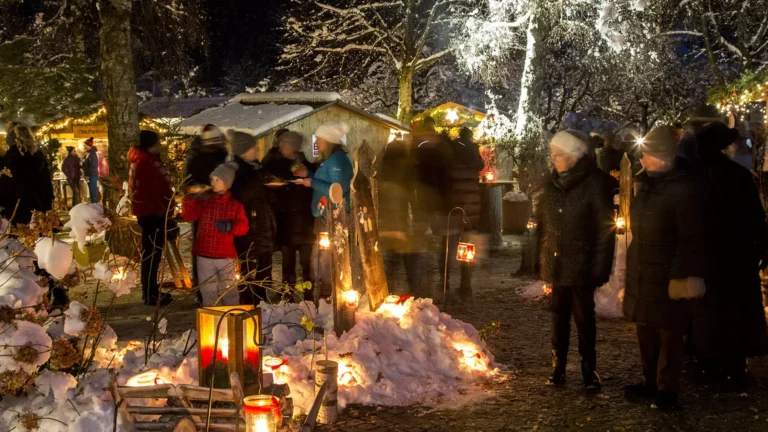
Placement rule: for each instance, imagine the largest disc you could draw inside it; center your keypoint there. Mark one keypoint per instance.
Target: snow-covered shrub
(87, 222)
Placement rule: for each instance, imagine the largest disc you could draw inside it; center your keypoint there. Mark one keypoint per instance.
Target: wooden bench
(186, 407)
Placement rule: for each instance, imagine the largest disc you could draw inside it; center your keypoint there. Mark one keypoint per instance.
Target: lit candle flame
(324, 241)
(224, 347)
(620, 223)
(352, 298)
(119, 275)
(145, 379)
(471, 357)
(489, 176)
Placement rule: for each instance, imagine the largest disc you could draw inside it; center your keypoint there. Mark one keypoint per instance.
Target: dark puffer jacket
(30, 184)
(248, 188)
(291, 203)
(433, 163)
(201, 161)
(668, 242)
(576, 228)
(730, 320)
(465, 181)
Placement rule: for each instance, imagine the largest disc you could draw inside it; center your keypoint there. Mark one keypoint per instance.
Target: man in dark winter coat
(150, 202)
(255, 248)
(71, 169)
(666, 264)
(609, 157)
(433, 161)
(730, 323)
(91, 169)
(30, 175)
(576, 244)
(701, 117)
(291, 205)
(203, 159)
(402, 246)
(465, 166)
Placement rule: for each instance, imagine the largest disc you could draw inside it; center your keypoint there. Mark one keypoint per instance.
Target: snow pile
(54, 256)
(390, 361)
(609, 297)
(87, 221)
(535, 291)
(56, 382)
(515, 196)
(18, 343)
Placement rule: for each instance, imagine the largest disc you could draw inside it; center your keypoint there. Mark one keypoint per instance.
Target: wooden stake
(344, 317)
(327, 370)
(367, 226)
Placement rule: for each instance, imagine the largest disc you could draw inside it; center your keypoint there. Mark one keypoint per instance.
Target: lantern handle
(447, 239)
(213, 365)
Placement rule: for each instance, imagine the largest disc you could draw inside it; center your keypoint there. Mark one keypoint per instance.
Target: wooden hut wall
(360, 128)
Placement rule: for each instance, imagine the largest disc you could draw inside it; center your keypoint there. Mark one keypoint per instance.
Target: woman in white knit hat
(576, 244)
(334, 167)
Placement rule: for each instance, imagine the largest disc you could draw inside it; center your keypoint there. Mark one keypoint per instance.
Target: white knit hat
(212, 135)
(333, 132)
(571, 141)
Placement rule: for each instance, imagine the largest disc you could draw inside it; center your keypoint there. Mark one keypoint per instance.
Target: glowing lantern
(352, 298)
(262, 413)
(273, 365)
(236, 350)
(532, 225)
(145, 379)
(465, 252)
(119, 275)
(621, 225)
(489, 176)
(324, 241)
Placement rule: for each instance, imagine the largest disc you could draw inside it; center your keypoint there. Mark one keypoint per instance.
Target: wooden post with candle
(625, 190)
(327, 370)
(344, 316)
(367, 226)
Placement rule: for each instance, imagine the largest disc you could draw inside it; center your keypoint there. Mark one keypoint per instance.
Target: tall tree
(334, 40)
(119, 84)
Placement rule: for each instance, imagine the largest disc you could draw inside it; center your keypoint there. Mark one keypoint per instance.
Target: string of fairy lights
(68, 122)
(745, 103)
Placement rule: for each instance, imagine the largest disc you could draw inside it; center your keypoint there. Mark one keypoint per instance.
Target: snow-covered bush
(87, 223)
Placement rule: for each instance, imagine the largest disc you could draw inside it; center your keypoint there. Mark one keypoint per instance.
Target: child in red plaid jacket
(220, 219)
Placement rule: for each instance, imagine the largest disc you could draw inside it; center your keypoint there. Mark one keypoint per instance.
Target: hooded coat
(730, 320)
(576, 227)
(248, 188)
(30, 183)
(668, 242)
(291, 203)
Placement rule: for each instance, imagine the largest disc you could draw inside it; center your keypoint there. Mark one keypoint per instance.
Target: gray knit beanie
(242, 142)
(226, 173)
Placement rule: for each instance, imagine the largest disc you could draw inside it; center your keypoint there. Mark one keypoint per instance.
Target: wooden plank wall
(361, 128)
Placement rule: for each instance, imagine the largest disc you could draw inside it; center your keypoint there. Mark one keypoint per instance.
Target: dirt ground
(522, 401)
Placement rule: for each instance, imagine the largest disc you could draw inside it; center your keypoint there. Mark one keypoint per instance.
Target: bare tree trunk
(710, 53)
(119, 87)
(406, 94)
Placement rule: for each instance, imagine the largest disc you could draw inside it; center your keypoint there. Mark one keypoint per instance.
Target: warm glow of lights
(70, 121)
(392, 299)
(392, 307)
(224, 347)
(640, 141)
(621, 223)
(352, 298)
(120, 274)
(395, 134)
(452, 115)
(465, 252)
(277, 367)
(489, 176)
(531, 224)
(547, 289)
(471, 357)
(346, 377)
(262, 413)
(145, 379)
(324, 240)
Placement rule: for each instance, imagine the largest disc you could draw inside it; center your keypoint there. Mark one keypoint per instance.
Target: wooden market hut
(262, 114)
(450, 117)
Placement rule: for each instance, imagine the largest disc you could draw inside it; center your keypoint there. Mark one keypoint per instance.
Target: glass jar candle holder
(262, 413)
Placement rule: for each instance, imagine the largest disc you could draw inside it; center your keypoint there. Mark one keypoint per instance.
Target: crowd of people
(698, 242)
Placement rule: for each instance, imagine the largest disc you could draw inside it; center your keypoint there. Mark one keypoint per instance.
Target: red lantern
(465, 252)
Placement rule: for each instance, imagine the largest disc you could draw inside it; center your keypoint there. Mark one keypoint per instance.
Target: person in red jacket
(220, 218)
(151, 197)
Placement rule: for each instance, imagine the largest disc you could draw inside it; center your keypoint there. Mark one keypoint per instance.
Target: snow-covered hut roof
(253, 119)
(262, 113)
(179, 108)
(287, 97)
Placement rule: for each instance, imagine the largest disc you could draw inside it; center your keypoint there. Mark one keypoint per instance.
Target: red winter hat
(212, 135)
(89, 142)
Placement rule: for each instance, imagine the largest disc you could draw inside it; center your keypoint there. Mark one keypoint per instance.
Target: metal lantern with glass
(234, 350)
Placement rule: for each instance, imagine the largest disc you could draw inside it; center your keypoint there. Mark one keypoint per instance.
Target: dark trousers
(662, 353)
(93, 188)
(256, 276)
(411, 262)
(289, 265)
(152, 243)
(578, 301)
(75, 186)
